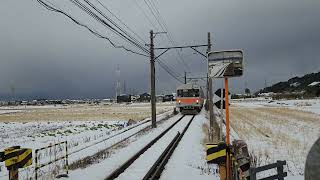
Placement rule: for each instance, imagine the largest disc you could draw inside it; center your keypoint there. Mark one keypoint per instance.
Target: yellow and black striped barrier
(216, 153)
(15, 158)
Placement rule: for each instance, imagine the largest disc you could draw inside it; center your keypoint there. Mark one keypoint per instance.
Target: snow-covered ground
(274, 130)
(311, 105)
(80, 112)
(188, 161)
(85, 138)
(118, 157)
(278, 130)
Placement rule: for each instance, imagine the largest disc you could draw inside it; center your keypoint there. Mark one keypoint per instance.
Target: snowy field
(35, 127)
(85, 112)
(310, 105)
(278, 130)
(274, 130)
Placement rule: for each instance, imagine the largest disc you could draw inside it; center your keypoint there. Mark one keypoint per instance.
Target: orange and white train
(190, 98)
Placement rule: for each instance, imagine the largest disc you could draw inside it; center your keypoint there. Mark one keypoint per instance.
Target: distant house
(159, 98)
(145, 97)
(134, 98)
(106, 101)
(124, 98)
(168, 97)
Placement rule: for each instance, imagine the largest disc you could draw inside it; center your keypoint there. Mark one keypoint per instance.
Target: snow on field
(188, 161)
(40, 134)
(81, 112)
(82, 137)
(311, 105)
(278, 130)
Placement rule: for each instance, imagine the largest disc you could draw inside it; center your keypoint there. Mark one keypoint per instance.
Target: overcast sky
(45, 54)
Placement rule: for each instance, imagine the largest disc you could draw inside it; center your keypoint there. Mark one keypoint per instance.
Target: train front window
(188, 93)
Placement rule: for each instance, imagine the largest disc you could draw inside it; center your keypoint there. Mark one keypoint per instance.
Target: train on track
(190, 98)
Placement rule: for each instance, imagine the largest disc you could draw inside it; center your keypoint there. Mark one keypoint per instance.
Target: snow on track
(188, 161)
(142, 165)
(102, 169)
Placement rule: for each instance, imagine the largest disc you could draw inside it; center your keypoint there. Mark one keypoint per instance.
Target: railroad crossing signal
(15, 158)
(218, 103)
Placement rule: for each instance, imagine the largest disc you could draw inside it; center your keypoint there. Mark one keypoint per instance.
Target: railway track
(117, 134)
(84, 159)
(157, 167)
(112, 136)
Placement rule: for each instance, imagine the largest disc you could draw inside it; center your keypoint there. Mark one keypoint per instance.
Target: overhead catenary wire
(145, 15)
(51, 7)
(103, 18)
(123, 34)
(168, 70)
(156, 13)
(121, 21)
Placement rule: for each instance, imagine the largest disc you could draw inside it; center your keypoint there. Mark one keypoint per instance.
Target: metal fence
(278, 165)
(38, 165)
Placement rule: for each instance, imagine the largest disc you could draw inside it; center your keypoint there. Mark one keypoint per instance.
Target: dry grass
(277, 133)
(85, 112)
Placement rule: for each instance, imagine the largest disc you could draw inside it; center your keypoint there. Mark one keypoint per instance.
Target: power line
(123, 34)
(115, 28)
(168, 70)
(156, 13)
(51, 7)
(145, 15)
(164, 27)
(121, 21)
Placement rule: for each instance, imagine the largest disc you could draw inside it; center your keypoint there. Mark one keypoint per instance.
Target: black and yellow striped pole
(217, 154)
(16, 158)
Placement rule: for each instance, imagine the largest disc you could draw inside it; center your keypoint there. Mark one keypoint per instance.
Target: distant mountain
(308, 85)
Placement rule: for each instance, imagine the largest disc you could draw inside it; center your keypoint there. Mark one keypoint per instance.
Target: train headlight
(197, 100)
(179, 101)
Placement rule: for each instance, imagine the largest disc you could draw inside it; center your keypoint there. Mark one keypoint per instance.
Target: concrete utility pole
(211, 115)
(185, 77)
(153, 91)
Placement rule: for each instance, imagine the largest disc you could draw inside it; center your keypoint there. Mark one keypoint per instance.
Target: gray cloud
(44, 52)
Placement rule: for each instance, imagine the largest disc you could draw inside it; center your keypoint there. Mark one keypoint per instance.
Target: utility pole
(153, 91)
(211, 115)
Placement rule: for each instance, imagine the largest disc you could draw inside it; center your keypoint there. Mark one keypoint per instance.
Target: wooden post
(227, 127)
(13, 174)
(222, 171)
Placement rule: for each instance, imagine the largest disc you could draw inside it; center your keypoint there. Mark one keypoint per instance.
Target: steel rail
(157, 168)
(125, 165)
